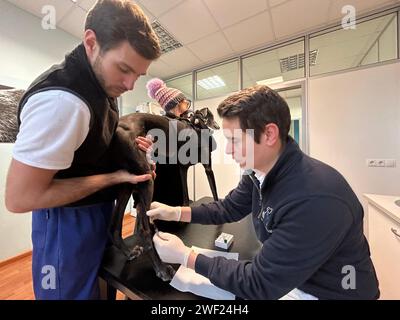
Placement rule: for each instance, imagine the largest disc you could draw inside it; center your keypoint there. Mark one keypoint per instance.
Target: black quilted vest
(76, 76)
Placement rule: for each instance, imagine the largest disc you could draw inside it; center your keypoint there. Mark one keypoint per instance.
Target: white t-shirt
(54, 124)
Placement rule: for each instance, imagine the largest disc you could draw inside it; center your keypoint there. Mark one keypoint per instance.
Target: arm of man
(305, 239)
(30, 188)
(235, 206)
(54, 124)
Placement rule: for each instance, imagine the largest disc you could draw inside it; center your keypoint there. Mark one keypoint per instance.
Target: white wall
(356, 116)
(26, 51)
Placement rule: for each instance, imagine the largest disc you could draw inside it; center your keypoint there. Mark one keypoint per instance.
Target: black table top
(137, 277)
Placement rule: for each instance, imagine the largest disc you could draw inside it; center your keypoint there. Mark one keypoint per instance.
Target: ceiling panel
(86, 4)
(74, 22)
(273, 3)
(297, 16)
(150, 16)
(181, 59)
(210, 47)
(157, 7)
(238, 10)
(189, 21)
(35, 7)
(250, 33)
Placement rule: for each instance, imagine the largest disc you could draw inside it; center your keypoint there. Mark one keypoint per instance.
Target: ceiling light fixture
(268, 82)
(213, 82)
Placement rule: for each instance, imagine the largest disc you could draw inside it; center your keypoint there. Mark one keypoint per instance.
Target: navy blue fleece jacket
(311, 225)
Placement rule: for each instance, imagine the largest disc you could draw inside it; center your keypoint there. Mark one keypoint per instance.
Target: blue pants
(68, 245)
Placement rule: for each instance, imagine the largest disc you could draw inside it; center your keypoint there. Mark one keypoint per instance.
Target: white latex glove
(170, 248)
(160, 211)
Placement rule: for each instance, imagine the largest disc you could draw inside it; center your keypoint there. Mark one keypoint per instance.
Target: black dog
(132, 159)
(202, 121)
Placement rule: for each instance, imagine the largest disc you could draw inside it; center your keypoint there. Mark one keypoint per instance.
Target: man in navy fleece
(304, 212)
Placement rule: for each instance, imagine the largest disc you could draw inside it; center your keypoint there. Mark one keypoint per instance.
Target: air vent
(167, 42)
(297, 61)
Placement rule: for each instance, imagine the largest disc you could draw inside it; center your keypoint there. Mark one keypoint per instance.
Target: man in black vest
(61, 160)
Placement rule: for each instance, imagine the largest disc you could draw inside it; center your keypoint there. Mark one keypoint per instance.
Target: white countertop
(386, 204)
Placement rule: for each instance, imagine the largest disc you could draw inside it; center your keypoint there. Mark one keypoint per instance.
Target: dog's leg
(211, 180)
(183, 173)
(146, 232)
(115, 228)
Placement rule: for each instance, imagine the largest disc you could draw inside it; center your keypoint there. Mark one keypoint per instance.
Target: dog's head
(204, 119)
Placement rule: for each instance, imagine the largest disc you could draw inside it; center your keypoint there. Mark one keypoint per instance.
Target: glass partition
(274, 66)
(183, 83)
(371, 42)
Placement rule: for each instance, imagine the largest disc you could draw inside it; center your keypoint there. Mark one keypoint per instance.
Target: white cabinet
(384, 241)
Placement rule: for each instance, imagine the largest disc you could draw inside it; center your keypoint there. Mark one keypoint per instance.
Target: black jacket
(311, 225)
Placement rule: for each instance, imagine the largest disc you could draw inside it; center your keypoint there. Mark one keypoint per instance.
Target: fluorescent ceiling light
(268, 82)
(211, 83)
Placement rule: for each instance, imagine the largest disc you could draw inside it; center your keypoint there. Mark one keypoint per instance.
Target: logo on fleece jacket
(267, 211)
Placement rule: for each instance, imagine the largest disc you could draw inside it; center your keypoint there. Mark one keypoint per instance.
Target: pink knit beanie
(168, 98)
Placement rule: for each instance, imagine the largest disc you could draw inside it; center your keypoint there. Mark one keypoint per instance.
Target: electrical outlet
(380, 162)
(372, 163)
(388, 163)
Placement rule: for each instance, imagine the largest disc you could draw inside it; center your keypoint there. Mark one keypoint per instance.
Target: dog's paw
(166, 272)
(136, 252)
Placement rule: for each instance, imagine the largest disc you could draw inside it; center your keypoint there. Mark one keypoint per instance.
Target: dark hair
(256, 107)
(115, 21)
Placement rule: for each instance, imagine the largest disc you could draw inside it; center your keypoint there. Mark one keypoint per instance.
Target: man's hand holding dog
(145, 144)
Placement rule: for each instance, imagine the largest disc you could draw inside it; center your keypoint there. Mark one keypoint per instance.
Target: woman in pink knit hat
(170, 99)
(167, 187)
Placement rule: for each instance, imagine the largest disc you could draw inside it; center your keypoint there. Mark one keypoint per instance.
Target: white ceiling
(212, 30)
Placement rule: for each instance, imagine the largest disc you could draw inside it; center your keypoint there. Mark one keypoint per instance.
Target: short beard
(98, 71)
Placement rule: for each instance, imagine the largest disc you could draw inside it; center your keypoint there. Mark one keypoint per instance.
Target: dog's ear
(204, 112)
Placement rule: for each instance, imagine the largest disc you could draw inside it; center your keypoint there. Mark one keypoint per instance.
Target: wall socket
(388, 163)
